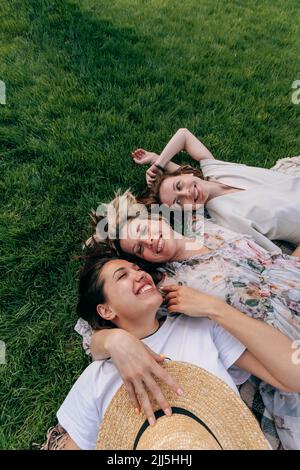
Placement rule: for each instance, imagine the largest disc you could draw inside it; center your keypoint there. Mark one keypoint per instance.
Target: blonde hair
(113, 216)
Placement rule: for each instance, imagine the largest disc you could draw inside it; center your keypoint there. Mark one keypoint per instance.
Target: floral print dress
(262, 285)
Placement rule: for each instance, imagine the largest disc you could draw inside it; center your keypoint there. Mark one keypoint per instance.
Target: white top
(268, 209)
(198, 341)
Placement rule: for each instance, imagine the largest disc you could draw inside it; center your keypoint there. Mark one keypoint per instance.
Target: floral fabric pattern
(262, 285)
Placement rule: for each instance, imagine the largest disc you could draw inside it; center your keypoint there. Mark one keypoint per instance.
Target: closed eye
(138, 250)
(122, 275)
(178, 187)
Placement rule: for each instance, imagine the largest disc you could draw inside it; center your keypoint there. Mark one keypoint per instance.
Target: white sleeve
(79, 415)
(230, 349)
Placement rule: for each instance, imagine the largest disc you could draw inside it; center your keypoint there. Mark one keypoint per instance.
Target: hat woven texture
(210, 415)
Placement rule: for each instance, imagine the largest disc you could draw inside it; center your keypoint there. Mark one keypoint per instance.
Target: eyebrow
(123, 268)
(117, 270)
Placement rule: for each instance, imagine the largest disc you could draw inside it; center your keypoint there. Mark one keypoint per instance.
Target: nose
(185, 193)
(140, 275)
(149, 242)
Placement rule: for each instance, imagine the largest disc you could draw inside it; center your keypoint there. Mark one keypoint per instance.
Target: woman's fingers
(162, 374)
(170, 288)
(158, 357)
(138, 152)
(150, 177)
(132, 396)
(174, 309)
(144, 383)
(139, 156)
(157, 394)
(171, 295)
(135, 156)
(173, 301)
(144, 401)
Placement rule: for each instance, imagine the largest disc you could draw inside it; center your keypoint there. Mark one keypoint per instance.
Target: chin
(164, 258)
(156, 300)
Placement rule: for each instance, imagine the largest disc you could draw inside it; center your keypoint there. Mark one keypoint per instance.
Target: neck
(216, 189)
(140, 327)
(188, 247)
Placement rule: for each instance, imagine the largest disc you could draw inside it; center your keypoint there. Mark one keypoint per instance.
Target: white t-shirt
(268, 209)
(198, 341)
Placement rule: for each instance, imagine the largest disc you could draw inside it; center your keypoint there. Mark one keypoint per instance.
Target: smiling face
(176, 191)
(149, 239)
(130, 293)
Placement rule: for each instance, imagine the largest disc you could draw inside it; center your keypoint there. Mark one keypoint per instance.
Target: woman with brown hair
(254, 201)
(119, 297)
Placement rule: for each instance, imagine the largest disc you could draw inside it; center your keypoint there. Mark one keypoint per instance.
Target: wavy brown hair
(151, 196)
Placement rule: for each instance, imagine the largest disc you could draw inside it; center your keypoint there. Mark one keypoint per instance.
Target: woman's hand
(138, 366)
(190, 301)
(143, 157)
(151, 174)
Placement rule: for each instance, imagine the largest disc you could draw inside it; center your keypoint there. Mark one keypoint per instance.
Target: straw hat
(210, 415)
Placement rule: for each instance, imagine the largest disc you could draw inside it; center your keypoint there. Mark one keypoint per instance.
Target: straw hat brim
(206, 397)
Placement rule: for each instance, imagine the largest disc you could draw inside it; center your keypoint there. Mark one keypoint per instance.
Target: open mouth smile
(158, 246)
(145, 288)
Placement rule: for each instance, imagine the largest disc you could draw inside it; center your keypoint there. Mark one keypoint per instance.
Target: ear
(105, 312)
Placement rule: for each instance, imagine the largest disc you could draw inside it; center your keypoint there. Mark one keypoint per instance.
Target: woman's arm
(99, 341)
(270, 347)
(249, 363)
(267, 344)
(183, 140)
(143, 157)
(138, 367)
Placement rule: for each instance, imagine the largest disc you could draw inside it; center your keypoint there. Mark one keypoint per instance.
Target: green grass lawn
(88, 81)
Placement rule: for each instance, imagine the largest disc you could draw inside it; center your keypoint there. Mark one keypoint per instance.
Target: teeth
(159, 245)
(145, 289)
